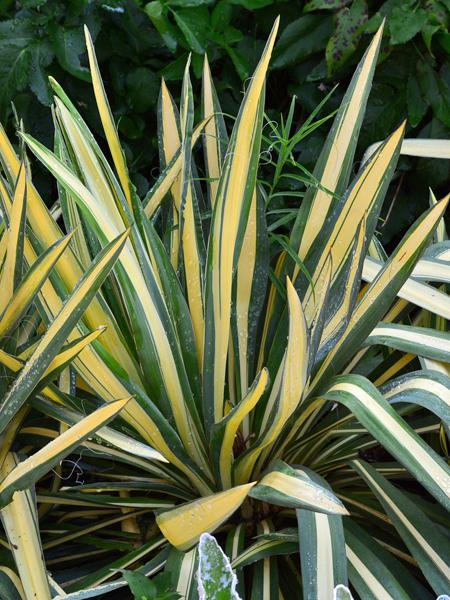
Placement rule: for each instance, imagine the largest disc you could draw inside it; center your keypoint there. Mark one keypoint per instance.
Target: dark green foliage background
(320, 43)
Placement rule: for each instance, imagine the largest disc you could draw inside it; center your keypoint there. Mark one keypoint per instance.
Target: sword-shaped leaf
(26, 473)
(334, 165)
(183, 525)
(295, 488)
(421, 341)
(59, 329)
(227, 229)
(377, 300)
(20, 521)
(427, 388)
(11, 273)
(30, 285)
(367, 404)
(322, 547)
(426, 542)
(106, 117)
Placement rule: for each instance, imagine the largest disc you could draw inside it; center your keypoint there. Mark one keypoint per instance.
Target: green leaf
(325, 5)
(42, 56)
(221, 15)
(194, 24)
(189, 3)
(142, 587)
(142, 89)
(216, 579)
(436, 90)
(7, 587)
(343, 42)
(15, 41)
(69, 46)
(253, 4)
(300, 39)
(417, 104)
(155, 12)
(405, 23)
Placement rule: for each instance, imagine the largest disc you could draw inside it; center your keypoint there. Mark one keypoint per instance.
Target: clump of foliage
(288, 392)
(321, 42)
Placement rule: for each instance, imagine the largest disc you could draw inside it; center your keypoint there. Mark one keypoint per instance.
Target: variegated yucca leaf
(278, 378)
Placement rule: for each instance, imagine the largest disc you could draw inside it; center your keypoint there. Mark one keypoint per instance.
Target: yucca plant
(299, 394)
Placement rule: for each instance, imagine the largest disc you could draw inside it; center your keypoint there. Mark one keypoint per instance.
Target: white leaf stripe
(417, 340)
(418, 293)
(408, 447)
(425, 384)
(421, 541)
(427, 388)
(375, 586)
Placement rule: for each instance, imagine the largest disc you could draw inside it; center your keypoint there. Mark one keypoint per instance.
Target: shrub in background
(320, 44)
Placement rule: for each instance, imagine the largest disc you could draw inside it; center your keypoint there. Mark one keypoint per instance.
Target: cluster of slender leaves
(289, 391)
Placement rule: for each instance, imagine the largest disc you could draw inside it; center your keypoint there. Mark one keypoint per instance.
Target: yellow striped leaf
(11, 273)
(57, 332)
(21, 525)
(288, 386)
(335, 162)
(30, 285)
(107, 119)
(228, 222)
(294, 488)
(224, 432)
(184, 525)
(31, 469)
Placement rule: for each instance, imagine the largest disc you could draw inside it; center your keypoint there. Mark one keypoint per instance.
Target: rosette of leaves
(299, 397)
